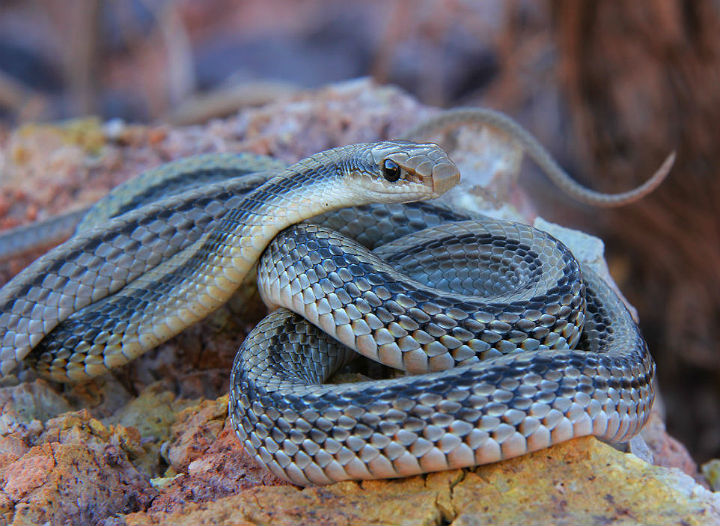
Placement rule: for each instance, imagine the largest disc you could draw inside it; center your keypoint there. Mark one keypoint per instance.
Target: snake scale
(513, 346)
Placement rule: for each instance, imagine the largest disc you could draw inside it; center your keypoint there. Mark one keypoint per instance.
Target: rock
(580, 482)
(152, 414)
(30, 401)
(152, 441)
(195, 430)
(77, 472)
(711, 470)
(406, 501)
(205, 458)
(667, 451)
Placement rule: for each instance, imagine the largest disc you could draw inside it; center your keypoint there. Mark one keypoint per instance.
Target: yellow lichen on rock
(581, 482)
(711, 471)
(86, 133)
(151, 415)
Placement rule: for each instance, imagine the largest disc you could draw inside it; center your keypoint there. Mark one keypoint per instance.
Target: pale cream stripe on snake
(522, 397)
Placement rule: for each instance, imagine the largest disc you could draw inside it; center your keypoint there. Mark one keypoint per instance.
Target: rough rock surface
(580, 482)
(71, 469)
(151, 443)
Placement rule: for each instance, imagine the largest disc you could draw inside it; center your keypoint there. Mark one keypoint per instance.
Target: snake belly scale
(514, 346)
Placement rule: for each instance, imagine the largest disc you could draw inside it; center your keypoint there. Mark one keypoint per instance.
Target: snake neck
(305, 189)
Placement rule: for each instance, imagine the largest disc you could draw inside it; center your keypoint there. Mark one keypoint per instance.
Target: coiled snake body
(516, 346)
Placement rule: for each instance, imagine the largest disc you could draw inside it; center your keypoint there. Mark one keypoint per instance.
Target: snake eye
(391, 170)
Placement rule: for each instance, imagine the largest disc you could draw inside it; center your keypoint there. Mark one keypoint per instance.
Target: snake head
(402, 171)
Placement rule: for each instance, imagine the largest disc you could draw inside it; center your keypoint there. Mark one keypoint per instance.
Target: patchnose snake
(513, 345)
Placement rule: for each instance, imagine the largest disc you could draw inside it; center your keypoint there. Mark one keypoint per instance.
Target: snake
(510, 345)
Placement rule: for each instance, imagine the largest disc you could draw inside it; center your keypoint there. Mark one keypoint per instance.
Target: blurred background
(611, 88)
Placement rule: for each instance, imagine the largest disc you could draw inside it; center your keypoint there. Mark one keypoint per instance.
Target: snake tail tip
(661, 174)
(668, 163)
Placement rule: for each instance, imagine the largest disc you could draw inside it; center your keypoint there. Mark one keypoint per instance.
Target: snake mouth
(444, 177)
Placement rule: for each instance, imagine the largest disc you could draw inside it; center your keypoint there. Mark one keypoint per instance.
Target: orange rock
(29, 472)
(79, 474)
(195, 430)
(223, 469)
(12, 447)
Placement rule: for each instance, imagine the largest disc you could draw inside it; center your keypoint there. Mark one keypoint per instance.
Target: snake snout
(425, 171)
(431, 164)
(444, 176)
